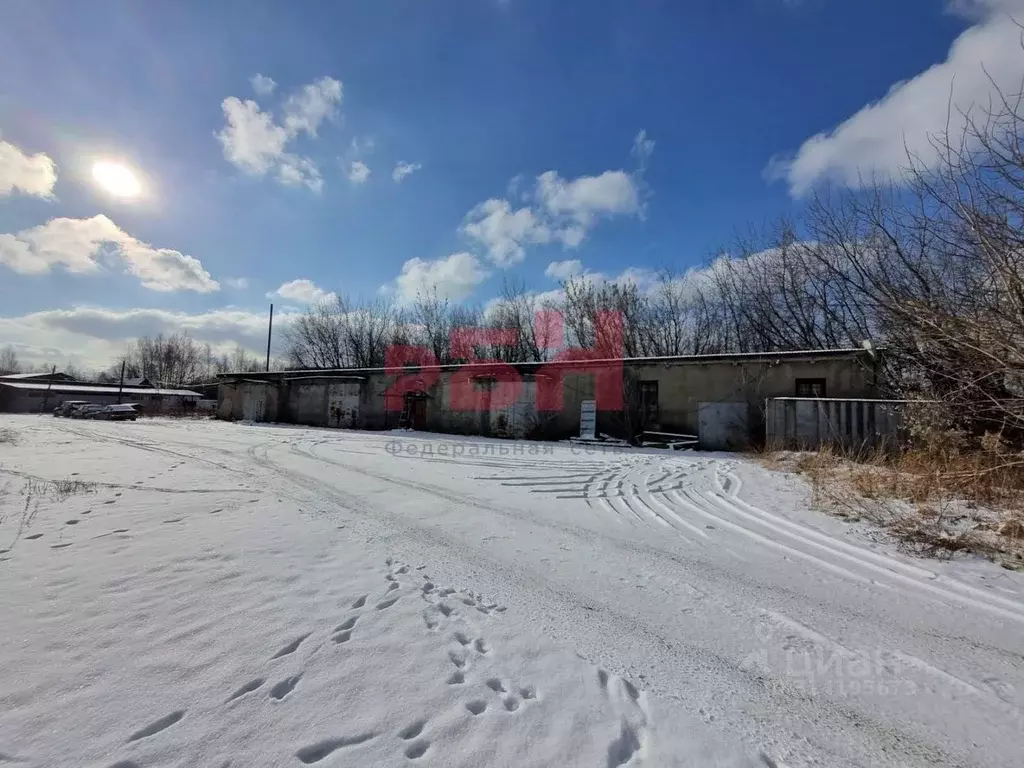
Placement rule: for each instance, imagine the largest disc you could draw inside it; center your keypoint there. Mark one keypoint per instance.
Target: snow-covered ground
(229, 595)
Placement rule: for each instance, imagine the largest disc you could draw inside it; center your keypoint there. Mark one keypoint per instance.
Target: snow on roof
(47, 375)
(86, 389)
(488, 365)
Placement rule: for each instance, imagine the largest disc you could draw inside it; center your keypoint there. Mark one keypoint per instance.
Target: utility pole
(49, 387)
(270, 334)
(120, 389)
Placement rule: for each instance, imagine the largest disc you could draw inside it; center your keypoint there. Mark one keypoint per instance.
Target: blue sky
(538, 139)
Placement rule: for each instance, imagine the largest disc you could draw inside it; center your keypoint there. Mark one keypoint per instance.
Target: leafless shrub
(56, 490)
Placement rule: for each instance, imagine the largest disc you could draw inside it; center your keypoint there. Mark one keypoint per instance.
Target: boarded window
(810, 388)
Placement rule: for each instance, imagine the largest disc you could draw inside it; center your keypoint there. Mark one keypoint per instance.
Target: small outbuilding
(30, 395)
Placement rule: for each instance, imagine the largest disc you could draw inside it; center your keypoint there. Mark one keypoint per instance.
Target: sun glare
(116, 179)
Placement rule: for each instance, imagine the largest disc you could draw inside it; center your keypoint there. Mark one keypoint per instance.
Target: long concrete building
(718, 398)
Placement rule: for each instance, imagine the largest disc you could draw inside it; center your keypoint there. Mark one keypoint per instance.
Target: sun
(116, 179)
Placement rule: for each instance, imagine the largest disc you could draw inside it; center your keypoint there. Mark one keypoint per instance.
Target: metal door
(722, 426)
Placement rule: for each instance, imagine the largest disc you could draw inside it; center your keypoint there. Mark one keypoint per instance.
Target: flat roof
(47, 375)
(485, 366)
(86, 389)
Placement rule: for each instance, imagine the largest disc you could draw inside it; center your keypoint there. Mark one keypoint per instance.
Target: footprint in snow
(386, 603)
(413, 730)
(314, 753)
(34, 536)
(249, 687)
(285, 687)
(347, 624)
(360, 602)
(476, 707)
(154, 728)
(291, 647)
(458, 659)
(417, 750)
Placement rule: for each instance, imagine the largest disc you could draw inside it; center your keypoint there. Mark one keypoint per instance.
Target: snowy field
(210, 594)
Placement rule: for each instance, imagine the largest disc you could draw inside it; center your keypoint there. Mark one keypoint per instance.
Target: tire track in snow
(707, 663)
(918, 579)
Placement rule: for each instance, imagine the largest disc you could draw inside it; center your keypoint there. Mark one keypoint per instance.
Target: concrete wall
(684, 386)
(686, 390)
(323, 402)
(247, 400)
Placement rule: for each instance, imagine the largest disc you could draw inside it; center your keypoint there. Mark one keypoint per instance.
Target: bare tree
(9, 362)
(344, 334)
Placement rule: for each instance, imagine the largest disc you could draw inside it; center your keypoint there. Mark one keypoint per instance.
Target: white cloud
(562, 211)
(254, 142)
(359, 147)
(238, 283)
(403, 169)
(563, 270)
(584, 199)
(312, 104)
(874, 142)
(251, 140)
(80, 245)
(302, 291)
(643, 148)
(504, 232)
(92, 337)
(454, 277)
(645, 279)
(33, 175)
(263, 85)
(296, 171)
(358, 172)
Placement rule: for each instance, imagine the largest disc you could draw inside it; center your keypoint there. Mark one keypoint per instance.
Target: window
(649, 401)
(810, 387)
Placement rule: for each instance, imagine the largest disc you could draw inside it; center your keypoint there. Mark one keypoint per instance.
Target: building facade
(720, 399)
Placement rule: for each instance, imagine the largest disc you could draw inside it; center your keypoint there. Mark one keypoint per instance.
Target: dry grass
(56, 490)
(937, 502)
(35, 492)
